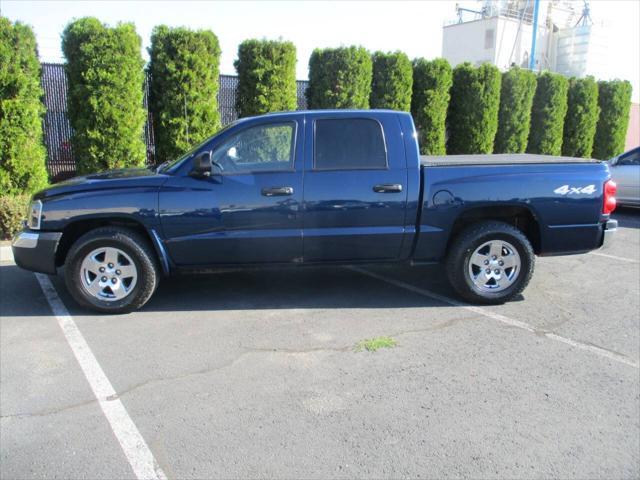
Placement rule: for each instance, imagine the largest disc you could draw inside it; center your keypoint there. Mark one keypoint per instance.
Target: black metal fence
(57, 129)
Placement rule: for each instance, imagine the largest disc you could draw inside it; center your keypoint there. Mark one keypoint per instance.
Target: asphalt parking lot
(254, 374)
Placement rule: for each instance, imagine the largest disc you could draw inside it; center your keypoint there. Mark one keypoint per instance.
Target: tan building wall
(633, 132)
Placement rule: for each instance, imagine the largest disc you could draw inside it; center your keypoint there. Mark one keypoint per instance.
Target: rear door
(355, 187)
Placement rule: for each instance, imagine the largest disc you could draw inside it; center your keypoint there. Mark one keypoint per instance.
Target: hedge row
(13, 208)
(104, 102)
(581, 119)
(464, 110)
(614, 99)
(183, 94)
(22, 154)
(472, 120)
(514, 116)
(481, 110)
(339, 78)
(547, 114)
(266, 77)
(392, 81)
(431, 84)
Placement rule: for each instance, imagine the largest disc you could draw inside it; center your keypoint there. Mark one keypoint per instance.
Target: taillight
(609, 202)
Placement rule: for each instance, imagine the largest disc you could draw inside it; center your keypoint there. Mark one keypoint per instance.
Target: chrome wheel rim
(108, 273)
(494, 266)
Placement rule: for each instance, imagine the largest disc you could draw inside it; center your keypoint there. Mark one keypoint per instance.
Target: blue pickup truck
(316, 187)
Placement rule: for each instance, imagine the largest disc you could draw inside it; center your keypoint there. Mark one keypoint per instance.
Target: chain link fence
(57, 129)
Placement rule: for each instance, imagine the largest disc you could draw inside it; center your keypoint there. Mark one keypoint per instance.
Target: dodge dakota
(316, 187)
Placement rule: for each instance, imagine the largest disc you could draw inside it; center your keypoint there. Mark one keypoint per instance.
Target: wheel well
(519, 217)
(75, 230)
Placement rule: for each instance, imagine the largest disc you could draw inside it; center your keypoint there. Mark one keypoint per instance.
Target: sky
(414, 27)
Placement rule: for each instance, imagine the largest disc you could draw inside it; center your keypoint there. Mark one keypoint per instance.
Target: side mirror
(201, 166)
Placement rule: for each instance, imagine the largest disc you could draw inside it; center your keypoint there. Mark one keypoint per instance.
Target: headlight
(35, 214)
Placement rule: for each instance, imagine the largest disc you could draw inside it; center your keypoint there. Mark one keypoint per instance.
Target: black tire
(139, 251)
(466, 243)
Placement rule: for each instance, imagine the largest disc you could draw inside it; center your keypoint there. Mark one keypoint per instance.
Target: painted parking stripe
(6, 255)
(138, 454)
(614, 257)
(502, 318)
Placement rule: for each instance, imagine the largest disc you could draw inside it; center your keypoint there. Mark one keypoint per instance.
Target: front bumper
(36, 251)
(610, 229)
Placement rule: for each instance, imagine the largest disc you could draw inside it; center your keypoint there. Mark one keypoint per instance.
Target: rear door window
(631, 158)
(349, 144)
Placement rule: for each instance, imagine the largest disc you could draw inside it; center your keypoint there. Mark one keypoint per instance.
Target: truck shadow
(321, 288)
(20, 294)
(287, 288)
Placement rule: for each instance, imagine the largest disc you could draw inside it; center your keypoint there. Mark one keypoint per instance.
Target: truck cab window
(258, 149)
(347, 144)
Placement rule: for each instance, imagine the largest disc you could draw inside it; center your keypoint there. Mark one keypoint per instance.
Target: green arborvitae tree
(472, 120)
(104, 102)
(392, 81)
(266, 77)
(183, 95)
(514, 118)
(22, 154)
(581, 119)
(614, 99)
(547, 114)
(339, 78)
(429, 103)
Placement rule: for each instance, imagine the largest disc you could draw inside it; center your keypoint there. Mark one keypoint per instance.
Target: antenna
(534, 35)
(460, 12)
(585, 19)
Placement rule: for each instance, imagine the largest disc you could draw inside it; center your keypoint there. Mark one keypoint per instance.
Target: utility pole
(534, 35)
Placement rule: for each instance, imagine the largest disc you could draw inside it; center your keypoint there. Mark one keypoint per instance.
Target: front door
(355, 187)
(248, 210)
(626, 173)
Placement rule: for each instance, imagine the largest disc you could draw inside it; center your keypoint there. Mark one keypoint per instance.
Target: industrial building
(555, 35)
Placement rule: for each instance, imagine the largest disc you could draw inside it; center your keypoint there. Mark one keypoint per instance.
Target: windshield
(166, 166)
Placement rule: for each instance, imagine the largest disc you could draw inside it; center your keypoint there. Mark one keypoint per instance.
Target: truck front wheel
(111, 270)
(490, 262)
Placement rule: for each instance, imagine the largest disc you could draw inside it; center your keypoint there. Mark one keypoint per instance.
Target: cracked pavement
(254, 374)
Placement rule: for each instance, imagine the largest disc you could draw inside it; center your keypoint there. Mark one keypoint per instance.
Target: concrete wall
(498, 40)
(513, 45)
(468, 42)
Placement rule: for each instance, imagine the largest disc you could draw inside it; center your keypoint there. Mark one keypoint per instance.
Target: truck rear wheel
(490, 262)
(111, 270)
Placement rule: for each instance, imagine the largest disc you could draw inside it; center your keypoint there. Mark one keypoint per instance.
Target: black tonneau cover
(496, 159)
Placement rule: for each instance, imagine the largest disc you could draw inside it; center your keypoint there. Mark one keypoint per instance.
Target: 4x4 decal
(567, 190)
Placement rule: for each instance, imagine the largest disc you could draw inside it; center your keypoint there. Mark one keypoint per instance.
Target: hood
(111, 179)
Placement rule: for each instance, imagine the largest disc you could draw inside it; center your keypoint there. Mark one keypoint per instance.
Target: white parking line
(140, 458)
(614, 257)
(6, 255)
(502, 318)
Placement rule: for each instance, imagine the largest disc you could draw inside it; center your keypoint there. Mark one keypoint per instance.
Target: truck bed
(496, 159)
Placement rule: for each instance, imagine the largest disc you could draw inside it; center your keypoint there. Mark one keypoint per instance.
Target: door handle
(277, 191)
(387, 188)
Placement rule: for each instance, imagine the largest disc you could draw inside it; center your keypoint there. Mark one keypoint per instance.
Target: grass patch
(373, 344)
